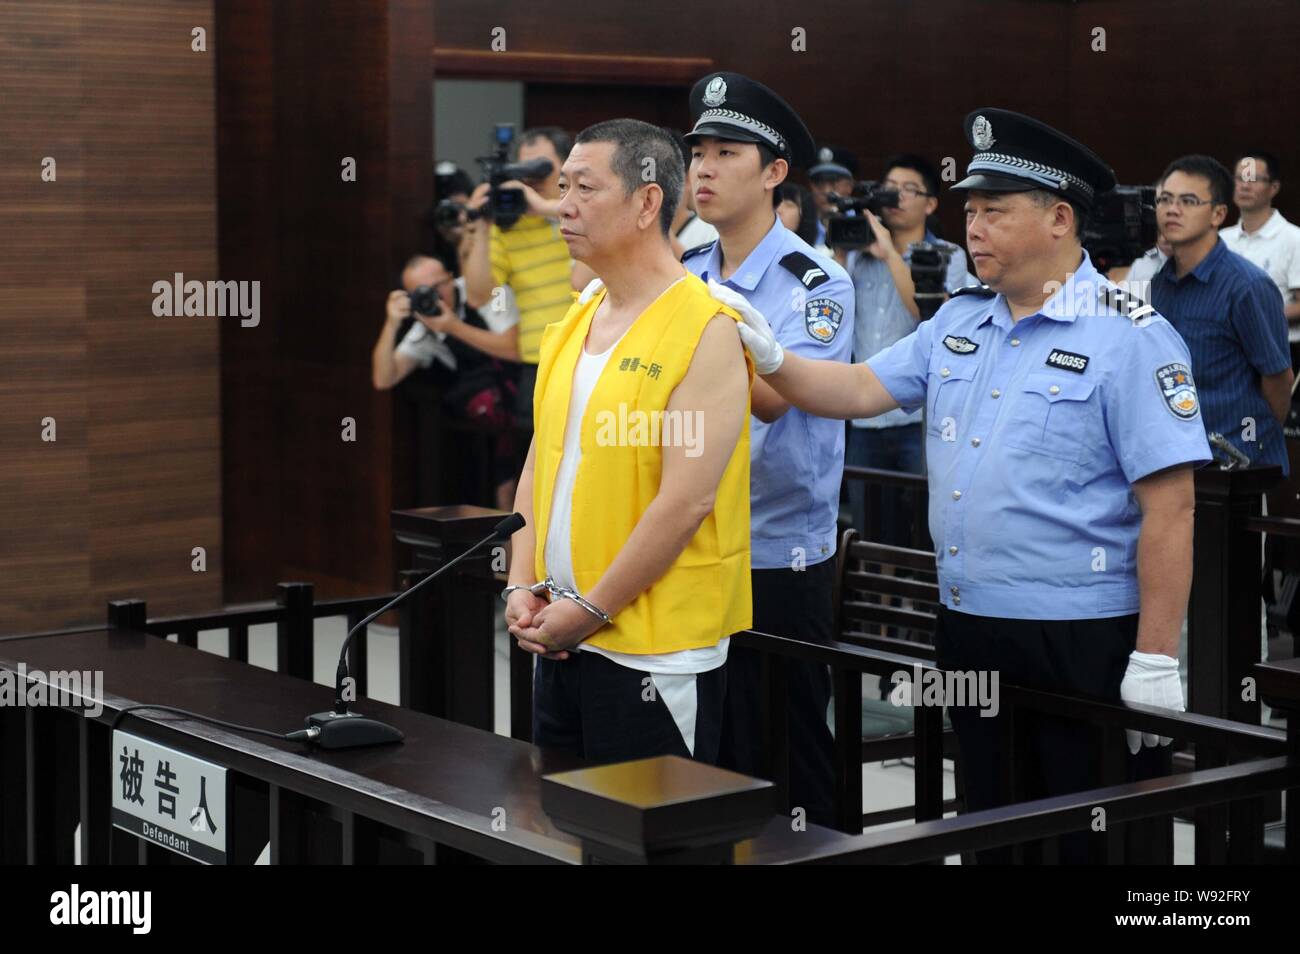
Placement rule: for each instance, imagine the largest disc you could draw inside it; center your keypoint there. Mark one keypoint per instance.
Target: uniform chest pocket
(1055, 414)
(949, 388)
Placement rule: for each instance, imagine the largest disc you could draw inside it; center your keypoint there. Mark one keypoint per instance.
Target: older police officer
(744, 140)
(1062, 430)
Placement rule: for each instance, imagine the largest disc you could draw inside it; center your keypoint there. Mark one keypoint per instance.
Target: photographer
(444, 224)
(833, 175)
(528, 256)
(472, 387)
(887, 312)
(390, 362)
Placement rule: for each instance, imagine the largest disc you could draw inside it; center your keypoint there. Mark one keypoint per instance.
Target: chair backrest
(879, 586)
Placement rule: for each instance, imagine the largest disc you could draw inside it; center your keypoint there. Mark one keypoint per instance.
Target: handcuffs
(552, 589)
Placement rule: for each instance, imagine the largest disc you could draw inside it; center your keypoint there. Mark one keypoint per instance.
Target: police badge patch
(715, 94)
(1178, 390)
(982, 133)
(959, 345)
(822, 317)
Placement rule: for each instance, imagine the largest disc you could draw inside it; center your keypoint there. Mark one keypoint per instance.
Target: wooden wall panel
(304, 85)
(1180, 77)
(894, 75)
(117, 96)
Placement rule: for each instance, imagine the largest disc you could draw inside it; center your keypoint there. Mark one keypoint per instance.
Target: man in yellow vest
(633, 569)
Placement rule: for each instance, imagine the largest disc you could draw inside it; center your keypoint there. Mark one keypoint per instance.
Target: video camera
(1122, 226)
(504, 206)
(849, 228)
(929, 265)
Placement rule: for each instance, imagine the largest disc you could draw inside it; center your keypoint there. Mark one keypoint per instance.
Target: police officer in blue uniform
(744, 140)
(1062, 428)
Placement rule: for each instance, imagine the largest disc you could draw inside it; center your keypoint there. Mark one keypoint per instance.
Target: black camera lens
(446, 214)
(425, 301)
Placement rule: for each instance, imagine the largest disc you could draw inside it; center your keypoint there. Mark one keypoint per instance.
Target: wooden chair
(886, 599)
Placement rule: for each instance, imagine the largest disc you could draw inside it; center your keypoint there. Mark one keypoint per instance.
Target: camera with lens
(1122, 226)
(504, 205)
(446, 214)
(849, 228)
(929, 265)
(425, 301)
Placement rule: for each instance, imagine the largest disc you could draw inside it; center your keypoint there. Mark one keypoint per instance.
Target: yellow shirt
(705, 594)
(533, 260)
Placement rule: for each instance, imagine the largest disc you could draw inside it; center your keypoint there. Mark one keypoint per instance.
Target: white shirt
(1138, 280)
(1274, 247)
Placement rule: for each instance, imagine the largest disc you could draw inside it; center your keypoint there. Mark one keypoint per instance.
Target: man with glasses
(887, 312)
(1262, 235)
(1226, 309)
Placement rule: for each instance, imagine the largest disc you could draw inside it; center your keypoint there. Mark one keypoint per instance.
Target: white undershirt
(673, 673)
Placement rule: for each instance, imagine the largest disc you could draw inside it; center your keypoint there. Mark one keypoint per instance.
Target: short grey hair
(1043, 198)
(634, 143)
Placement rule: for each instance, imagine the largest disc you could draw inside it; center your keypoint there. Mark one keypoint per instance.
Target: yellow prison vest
(705, 594)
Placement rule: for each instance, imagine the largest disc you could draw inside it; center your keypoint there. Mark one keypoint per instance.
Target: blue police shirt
(882, 318)
(797, 461)
(1229, 313)
(1035, 432)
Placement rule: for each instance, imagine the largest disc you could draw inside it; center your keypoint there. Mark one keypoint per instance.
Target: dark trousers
(524, 396)
(596, 709)
(798, 604)
(1081, 657)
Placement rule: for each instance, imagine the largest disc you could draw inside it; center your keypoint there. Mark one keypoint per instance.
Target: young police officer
(1062, 429)
(744, 141)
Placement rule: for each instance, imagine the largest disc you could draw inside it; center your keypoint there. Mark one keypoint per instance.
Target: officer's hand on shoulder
(755, 332)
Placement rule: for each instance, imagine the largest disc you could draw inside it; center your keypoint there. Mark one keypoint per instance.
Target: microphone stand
(340, 728)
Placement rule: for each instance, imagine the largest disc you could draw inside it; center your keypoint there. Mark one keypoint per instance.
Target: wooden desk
(433, 798)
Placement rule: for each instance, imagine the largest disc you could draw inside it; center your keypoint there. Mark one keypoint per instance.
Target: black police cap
(834, 162)
(736, 108)
(1016, 153)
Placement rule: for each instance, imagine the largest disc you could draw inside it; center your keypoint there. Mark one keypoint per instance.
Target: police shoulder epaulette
(697, 249)
(805, 269)
(1129, 306)
(983, 291)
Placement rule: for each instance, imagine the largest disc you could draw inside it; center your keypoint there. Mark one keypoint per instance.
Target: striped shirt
(534, 261)
(1230, 314)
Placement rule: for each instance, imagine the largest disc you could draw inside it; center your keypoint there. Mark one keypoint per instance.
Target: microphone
(1236, 460)
(343, 729)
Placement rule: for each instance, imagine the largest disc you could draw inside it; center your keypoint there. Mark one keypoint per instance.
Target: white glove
(591, 291)
(1151, 680)
(755, 333)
